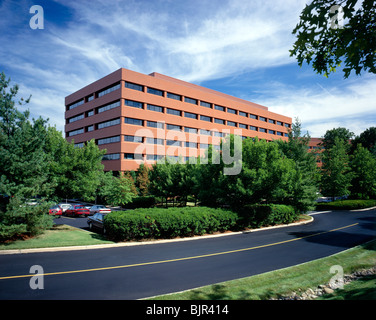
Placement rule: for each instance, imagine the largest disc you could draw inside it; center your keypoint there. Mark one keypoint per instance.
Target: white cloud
(352, 105)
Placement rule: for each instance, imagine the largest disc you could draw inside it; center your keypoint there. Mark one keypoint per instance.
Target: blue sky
(237, 47)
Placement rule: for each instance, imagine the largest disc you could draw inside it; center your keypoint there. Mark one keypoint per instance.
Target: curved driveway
(148, 270)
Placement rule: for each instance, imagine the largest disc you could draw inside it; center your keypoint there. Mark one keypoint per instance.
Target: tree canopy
(334, 33)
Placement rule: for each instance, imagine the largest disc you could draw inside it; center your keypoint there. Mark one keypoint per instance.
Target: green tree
(367, 139)
(363, 165)
(76, 172)
(336, 173)
(345, 135)
(328, 43)
(305, 184)
(142, 179)
(23, 161)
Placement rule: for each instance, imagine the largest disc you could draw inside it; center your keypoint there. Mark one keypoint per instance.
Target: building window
(134, 104)
(243, 126)
(190, 100)
(190, 130)
(155, 91)
(90, 113)
(174, 112)
(253, 128)
(243, 114)
(219, 121)
(174, 143)
(174, 127)
(279, 123)
(129, 138)
(153, 157)
(218, 134)
(76, 118)
(262, 119)
(136, 122)
(76, 104)
(220, 108)
(229, 110)
(89, 98)
(173, 96)
(253, 116)
(190, 144)
(271, 121)
(271, 132)
(190, 115)
(79, 145)
(279, 133)
(204, 146)
(155, 141)
(155, 108)
(132, 156)
(154, 124)
(112, 156)
(109, 106)
(287, 125)
(134, 86)
(205, 118)
(108, 140)
(75, 132)
(262, 130)
(205, 104)
(90, 128)
(109, 123)
(205, 132)
(231, 123)
(108, 90)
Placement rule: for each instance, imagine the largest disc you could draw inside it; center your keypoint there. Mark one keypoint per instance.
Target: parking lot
(79, 222)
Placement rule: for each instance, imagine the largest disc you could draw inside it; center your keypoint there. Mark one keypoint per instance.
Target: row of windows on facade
(161, 125)
(137, 104)
(149, 157)
(148, 140)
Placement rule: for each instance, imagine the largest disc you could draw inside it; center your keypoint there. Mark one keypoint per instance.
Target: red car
(77, 210)
(56, 211)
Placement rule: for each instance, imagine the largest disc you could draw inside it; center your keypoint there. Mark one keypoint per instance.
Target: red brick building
(138, 117)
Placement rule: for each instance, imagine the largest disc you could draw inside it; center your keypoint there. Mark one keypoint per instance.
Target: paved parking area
(79, 222)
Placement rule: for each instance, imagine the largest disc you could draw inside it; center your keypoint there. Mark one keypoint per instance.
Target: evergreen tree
(336, 174)
(363, 165)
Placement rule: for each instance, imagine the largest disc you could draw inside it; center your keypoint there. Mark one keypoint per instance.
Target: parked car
(56, 210)
(77, 210)
(99, 208)
(97, 221)
(64, 206)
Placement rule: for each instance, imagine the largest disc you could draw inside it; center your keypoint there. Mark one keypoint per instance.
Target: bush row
(260, 215)
(188, 221)
(346, 205)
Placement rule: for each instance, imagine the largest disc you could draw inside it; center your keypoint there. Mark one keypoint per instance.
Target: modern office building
(138, 117)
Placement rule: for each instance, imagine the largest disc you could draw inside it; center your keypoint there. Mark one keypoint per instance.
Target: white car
(99, 209)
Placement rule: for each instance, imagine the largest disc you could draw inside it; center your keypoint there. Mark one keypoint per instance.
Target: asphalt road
(143, 271)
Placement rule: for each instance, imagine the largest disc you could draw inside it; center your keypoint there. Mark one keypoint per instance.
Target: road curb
(140, 243)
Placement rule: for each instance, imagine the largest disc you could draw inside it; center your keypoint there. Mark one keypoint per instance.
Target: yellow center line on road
(178, 259)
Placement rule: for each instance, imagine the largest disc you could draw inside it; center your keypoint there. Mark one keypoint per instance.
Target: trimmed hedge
(346, 205)
(167, 223)
(158, 223)
(260, 215)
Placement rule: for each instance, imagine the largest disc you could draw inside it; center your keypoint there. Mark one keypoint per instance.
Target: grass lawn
(58, 236)
(296, 278)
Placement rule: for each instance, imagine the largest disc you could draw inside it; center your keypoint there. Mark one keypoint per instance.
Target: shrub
(167, 223)
(259, 215)
(346, 205)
